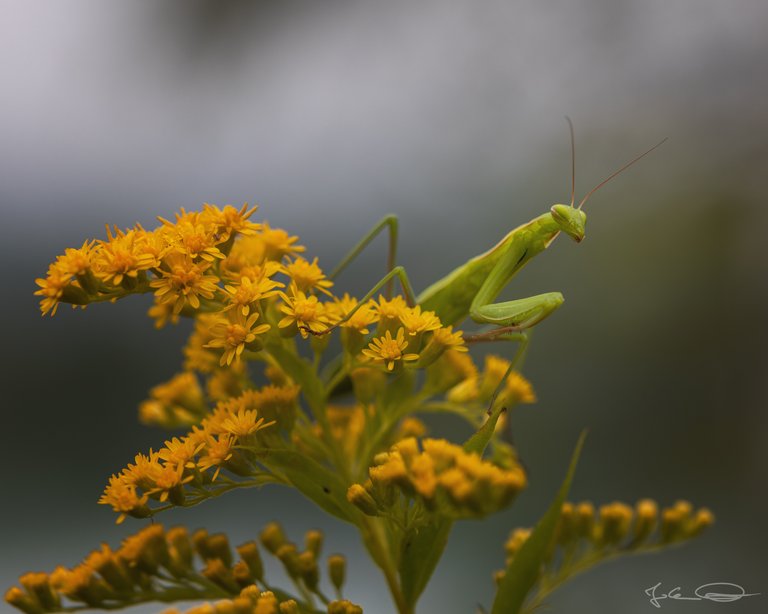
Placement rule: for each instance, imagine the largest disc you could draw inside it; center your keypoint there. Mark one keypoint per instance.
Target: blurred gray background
(449, 114)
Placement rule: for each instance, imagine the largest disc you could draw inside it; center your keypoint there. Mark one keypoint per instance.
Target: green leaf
(478, 442)
(422, 549)
(313, 480)
(523, 572)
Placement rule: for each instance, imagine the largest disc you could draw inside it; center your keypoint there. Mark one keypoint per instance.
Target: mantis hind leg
(389, 222)
(396, 273)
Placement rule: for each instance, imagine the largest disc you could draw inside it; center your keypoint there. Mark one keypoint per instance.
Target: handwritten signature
(721, 592)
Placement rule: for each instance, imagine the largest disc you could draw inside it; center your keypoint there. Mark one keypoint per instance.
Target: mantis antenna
(623, 168)
(573, 161)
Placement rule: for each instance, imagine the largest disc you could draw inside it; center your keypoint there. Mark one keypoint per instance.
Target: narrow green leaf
(422, 549)
(524, 570)
(478, 442)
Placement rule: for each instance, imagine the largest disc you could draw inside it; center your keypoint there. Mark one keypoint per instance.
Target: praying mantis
(471, 289)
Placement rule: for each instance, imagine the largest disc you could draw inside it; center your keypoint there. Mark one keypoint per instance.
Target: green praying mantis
(471, 289)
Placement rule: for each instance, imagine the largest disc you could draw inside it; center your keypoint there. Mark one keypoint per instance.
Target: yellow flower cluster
(587, 536)
(444, 477)
(158, 565)
(250, 601)
(221, 268)
(178, 256)
(480, 387)
(253, 601)
(178, 402)
(222, 441)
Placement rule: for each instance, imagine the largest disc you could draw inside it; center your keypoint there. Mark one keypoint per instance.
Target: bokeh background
(330, 115)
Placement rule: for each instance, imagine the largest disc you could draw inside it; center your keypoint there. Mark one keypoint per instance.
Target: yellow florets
(389, 350)
(304, 313)
(233, 334)
(445, 478)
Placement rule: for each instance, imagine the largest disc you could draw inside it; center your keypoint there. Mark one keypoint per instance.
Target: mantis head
(570, 220)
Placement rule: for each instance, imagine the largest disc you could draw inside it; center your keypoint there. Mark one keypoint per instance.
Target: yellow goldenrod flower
(197, 356)
(304, 312)
(360, 320)
(229, 221)
(77, 262)
(141, 473)
(225, 383)
(417, 321)
(119, 258)
(180, 452)
(410, 428)
(440, 341)
(248, 292)
(178, 402)
(243, 423)
(193, 240)
(184, 283)
(388, 350)
(449, 339)
(168, 480)
(388, 312)
(162, 314)
(308, 276)
(123, 499)
(518, 389)
(52, 290)
(151, 247)
(277, 243)
(219, 449)
(234, 334)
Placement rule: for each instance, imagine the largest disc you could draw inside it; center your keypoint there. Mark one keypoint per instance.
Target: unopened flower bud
(337, 570)
(646, 518)
(249, 553)
(220, 574)
(22, 601)
(289, 557)
(361, 498)
(313, 541)
(272, 537)
(308, 569)
(344, 607)
(289, 607)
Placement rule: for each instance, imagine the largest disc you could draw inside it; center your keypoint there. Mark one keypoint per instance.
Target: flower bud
(361, 498)
(272, 537)
(344, 607)
(249, 553)
(220, 574)
(22, 601)
(337, 570)
(313, 541)
(289, 557)
(646, 518)
(308, 569)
